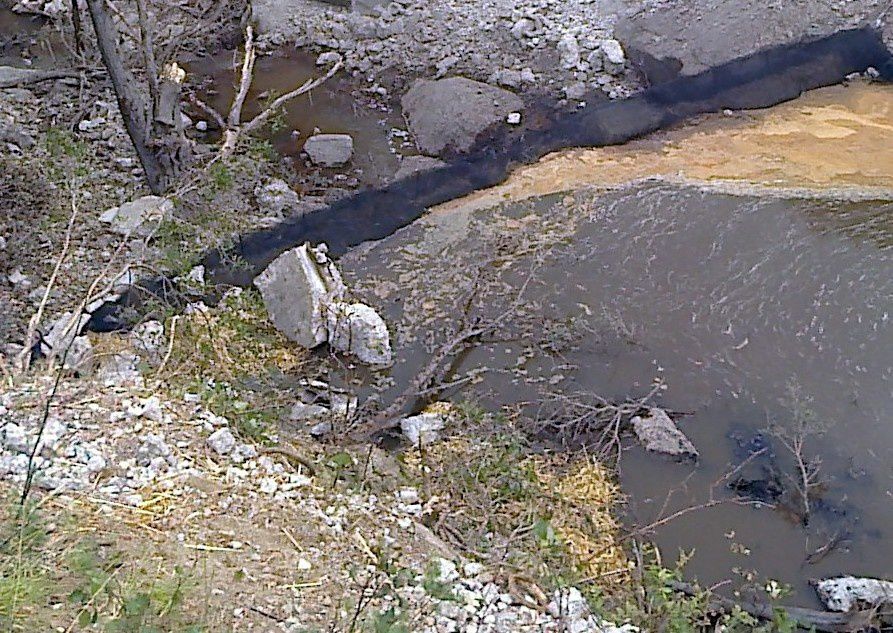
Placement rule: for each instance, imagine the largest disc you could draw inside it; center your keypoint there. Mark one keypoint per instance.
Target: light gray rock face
(138, 218)
(357, 329)
(847, 592)
(276, 197)
(80, 357)
(659, 434)
(304, 296)
(148, 340)
(329, 150)
(450, 113)
(297, 287)
(62, 333)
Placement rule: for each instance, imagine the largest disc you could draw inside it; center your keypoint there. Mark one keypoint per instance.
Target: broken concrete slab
(297, 288)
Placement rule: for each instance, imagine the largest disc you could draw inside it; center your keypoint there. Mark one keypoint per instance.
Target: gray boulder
(450, 113)
(659, 434)
(329, 150)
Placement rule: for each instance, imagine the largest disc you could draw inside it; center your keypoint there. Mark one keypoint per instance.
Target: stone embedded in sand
(297, 288)
(847, 592)
(659, 434)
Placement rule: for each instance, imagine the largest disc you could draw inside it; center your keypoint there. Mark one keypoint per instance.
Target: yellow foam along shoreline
(832, 141)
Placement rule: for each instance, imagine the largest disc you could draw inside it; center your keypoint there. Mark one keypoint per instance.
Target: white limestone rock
(847, 592)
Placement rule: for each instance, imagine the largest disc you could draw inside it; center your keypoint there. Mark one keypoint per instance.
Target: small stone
(138, 218)
(276, 198)
(268, 486)
(202, 126)
(222, 441)
(472, 569)
(328, 59)
(575, 91)
(152, 446)
(514, 118)
(446, 571)
(304, 564)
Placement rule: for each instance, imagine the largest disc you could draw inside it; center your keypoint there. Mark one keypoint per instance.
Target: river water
(740, 259)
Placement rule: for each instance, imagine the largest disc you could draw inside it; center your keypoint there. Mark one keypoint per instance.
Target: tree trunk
(162, 148)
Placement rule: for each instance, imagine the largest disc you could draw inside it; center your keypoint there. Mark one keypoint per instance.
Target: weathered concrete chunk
(359, 330)
(423, 429)
(329, 150)
(297, 288)
(450, 113)
(138, 218)
(304, 295)
(847, 592)
(658, 433)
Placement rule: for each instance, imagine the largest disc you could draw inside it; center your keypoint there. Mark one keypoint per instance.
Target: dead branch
(27, 76)
(234, 130)
(824, 621)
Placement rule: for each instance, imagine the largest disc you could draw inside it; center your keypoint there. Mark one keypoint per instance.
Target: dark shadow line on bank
(760, 80)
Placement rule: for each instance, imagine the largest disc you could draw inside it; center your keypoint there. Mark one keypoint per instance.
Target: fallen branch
(12, 77)
(825, 621)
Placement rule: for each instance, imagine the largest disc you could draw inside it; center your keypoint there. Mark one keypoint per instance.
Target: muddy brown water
(337, 106)
(732, 259)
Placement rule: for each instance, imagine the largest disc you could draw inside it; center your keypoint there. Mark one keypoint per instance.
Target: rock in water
(359, 330)
(569, 51)
(847, 592)
(450, 113)
(138, 218)
(658, 433)
(297, 288)
(329, 150)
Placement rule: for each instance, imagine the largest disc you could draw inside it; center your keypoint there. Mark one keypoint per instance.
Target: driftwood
(824, 621)
(11, 77)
